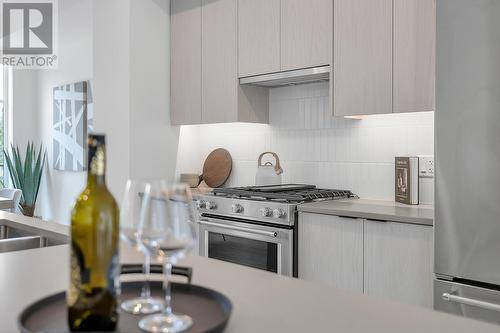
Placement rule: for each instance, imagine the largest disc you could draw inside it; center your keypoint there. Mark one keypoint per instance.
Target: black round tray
(209, 309)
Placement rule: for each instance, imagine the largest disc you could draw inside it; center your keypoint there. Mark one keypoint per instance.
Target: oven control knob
(265, 212)
(201, 204)
(210, 205)
(278, 213)
(237, 208)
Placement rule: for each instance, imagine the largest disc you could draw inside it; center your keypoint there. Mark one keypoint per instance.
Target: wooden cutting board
(217, 167)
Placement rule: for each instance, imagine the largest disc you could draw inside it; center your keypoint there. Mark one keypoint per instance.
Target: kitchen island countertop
(373, 209)
(263, 301)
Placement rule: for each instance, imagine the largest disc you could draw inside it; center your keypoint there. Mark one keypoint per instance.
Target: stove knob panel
(237, 208)
(201, 204)
(279, 213)
(265, 212)
(210, 205)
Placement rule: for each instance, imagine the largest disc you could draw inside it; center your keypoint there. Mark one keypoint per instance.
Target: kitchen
(336, 92)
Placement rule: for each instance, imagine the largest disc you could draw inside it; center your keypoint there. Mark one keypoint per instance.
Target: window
(4, 93)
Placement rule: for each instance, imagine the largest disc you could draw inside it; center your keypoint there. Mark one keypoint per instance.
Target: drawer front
(467, 301)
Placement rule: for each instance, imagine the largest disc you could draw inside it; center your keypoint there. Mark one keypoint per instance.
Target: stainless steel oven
(256, 225)
(264, 247)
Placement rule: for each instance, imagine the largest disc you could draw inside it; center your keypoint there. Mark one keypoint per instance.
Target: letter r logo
(27, 27)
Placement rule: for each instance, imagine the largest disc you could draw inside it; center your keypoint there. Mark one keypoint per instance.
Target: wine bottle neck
(95, 180)
(96, 164)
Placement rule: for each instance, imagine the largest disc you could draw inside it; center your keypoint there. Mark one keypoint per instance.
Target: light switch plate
(426, 166)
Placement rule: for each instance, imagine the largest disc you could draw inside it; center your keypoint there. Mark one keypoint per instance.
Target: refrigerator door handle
(450, 297)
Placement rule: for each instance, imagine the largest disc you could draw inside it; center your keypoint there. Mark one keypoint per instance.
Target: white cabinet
(414, 55)
(362, 57)
(383, 56)
(398, 262)
(258, 37)
(185, 67)
(386, 259)
(331, 250)
(204, 66)
(282, 35)
(219, 60)
(306, 33)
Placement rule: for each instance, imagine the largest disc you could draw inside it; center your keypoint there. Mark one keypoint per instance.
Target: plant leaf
(28, 175)
(18, 164)
(12, 172)
(38, 172)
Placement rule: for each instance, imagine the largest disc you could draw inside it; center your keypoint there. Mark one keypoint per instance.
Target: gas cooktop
(289, 193)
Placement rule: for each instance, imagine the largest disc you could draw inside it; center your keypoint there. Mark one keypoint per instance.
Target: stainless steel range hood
(299, 76)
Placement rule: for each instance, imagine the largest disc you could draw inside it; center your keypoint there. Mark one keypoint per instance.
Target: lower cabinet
(398, 262)
(331, 250)
(386, 259)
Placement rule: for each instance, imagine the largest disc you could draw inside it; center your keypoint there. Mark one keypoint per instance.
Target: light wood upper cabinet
(331, 250)
(414, 55)
(306, 33)
(362, 57)
(185, 66)
(219, 61)
(258, 37)
(398, 262)
(204, 66)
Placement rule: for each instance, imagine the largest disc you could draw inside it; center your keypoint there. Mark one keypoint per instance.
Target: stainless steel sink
(21, 243)
(21, 237)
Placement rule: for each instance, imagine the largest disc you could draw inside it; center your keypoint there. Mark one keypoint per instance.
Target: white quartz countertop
(262, 301)
(372, 209)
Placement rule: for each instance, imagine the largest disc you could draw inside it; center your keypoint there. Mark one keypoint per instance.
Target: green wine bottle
(94, 277)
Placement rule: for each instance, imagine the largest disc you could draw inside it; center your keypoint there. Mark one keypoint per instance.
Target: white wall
(59, 189)
(111, 52)
(24, 103)
(123, 45)
(132, 77)
(153, 142)
(315, 147)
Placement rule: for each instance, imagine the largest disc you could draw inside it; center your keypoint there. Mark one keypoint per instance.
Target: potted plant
(26, 175)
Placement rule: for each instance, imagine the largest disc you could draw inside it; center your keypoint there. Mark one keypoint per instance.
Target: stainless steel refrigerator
(467, 141)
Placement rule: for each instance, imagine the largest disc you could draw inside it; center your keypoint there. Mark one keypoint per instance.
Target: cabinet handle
(450, 297)
(376, 220)
(348, 217)
(273, 234)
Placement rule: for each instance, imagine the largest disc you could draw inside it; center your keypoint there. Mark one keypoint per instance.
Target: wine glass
(168, 230)
(131, 214)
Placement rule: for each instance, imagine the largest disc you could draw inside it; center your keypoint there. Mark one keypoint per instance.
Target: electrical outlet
(426, 166)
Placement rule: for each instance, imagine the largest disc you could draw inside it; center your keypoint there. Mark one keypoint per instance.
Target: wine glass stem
(167, 287)
(146, 290)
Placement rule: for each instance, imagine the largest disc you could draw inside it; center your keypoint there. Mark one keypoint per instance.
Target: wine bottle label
(79, 275)
(114, 276)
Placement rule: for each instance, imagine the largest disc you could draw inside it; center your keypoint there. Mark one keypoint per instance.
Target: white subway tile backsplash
(315, 147)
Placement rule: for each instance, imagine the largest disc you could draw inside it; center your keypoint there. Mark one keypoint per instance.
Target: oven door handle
(232, 227)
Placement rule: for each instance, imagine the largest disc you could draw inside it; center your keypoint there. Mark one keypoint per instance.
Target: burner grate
(287, 193)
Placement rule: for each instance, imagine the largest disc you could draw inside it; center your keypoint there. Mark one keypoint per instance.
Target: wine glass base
(142, 305)
(162, 323)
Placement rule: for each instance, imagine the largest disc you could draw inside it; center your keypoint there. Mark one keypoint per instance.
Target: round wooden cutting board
(217, 167)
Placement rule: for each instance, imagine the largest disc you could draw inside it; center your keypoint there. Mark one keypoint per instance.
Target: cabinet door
(398, 262)
(258, 37)
(185, 62)
(306, 33)
(331, 250)
(362, 57)
(414, 55)
(219, 61)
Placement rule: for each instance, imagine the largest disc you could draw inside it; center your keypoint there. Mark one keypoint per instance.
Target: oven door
(263, 247)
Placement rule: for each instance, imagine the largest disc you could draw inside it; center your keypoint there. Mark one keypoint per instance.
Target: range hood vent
(299, 76)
